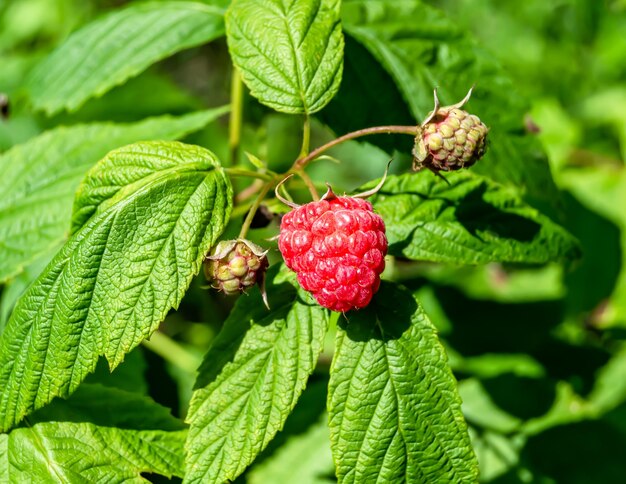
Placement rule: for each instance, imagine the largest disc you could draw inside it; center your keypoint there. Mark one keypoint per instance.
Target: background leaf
(304, 458)
(129, 375)
(422, 49)
(118, 46)
(368, 96)
(251, 379)
(40, 178)
(109, 407)
(395, 414)
(290, 53)
(468, 220)
(141, 252)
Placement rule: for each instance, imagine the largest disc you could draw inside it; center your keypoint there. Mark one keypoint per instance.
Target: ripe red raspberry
(337, 248)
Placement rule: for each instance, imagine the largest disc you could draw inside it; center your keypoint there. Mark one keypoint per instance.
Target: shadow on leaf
(249, 312)
(522, 397)
(579, 453)
(478, 215)
(386, 318)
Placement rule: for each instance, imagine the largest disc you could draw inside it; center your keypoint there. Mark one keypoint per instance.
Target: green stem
(309, 184)
(303, 161)
(240, 210)
(306, 137)
(248, 192)
(171, 351)
(236, 115)
(254, 207)
(248, 173)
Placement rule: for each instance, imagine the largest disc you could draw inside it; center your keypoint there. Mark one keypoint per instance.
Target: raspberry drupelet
(337, 248)
(450, 138)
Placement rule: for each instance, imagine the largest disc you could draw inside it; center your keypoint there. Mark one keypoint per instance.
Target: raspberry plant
(105, 227)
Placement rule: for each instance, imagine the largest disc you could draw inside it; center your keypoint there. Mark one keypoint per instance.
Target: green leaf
(422, 49)
(609, 390)
(290, 53)
(129, 375)
(109, 407)
(368, 96)
(395, 414)
(125, 170)
(251, 379)
(479, 408)
(83, 435)
(151, 93)
(489, 365)
(468, 220)
(602, 189)
(505, 284)
(115, 280)
(4, 458)
(496, 453)
(14, 289)
(39, 179)
(120, 45)
(568, 407)
(83, 452)
(304, 458)
(136, 429)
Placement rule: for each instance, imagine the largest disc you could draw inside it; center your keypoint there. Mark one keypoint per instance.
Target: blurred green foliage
(539, 352)
(569, 58)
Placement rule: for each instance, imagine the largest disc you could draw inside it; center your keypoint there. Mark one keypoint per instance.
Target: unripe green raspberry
(235, 265)
(449, 139)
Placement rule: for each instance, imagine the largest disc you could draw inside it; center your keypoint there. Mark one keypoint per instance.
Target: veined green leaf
(395, 413)
(126, 171)
(100, 434)
(422, 49)
(118, 46)
(290, 53)
(114, 281)
(4, 458)
(251, 379)
(39, 179)
(83, 452)
(14, 289)
(468, 220)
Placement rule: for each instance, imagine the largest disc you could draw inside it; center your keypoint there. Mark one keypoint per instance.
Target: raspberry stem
(171, 351)
(254, 207)
(246, 193)
(306, 137)
(304, 161)
(309, 184)
(236, 114)
(300, 164)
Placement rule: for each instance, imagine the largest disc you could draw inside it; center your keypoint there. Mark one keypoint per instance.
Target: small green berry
(236, 265)
(449, 139)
